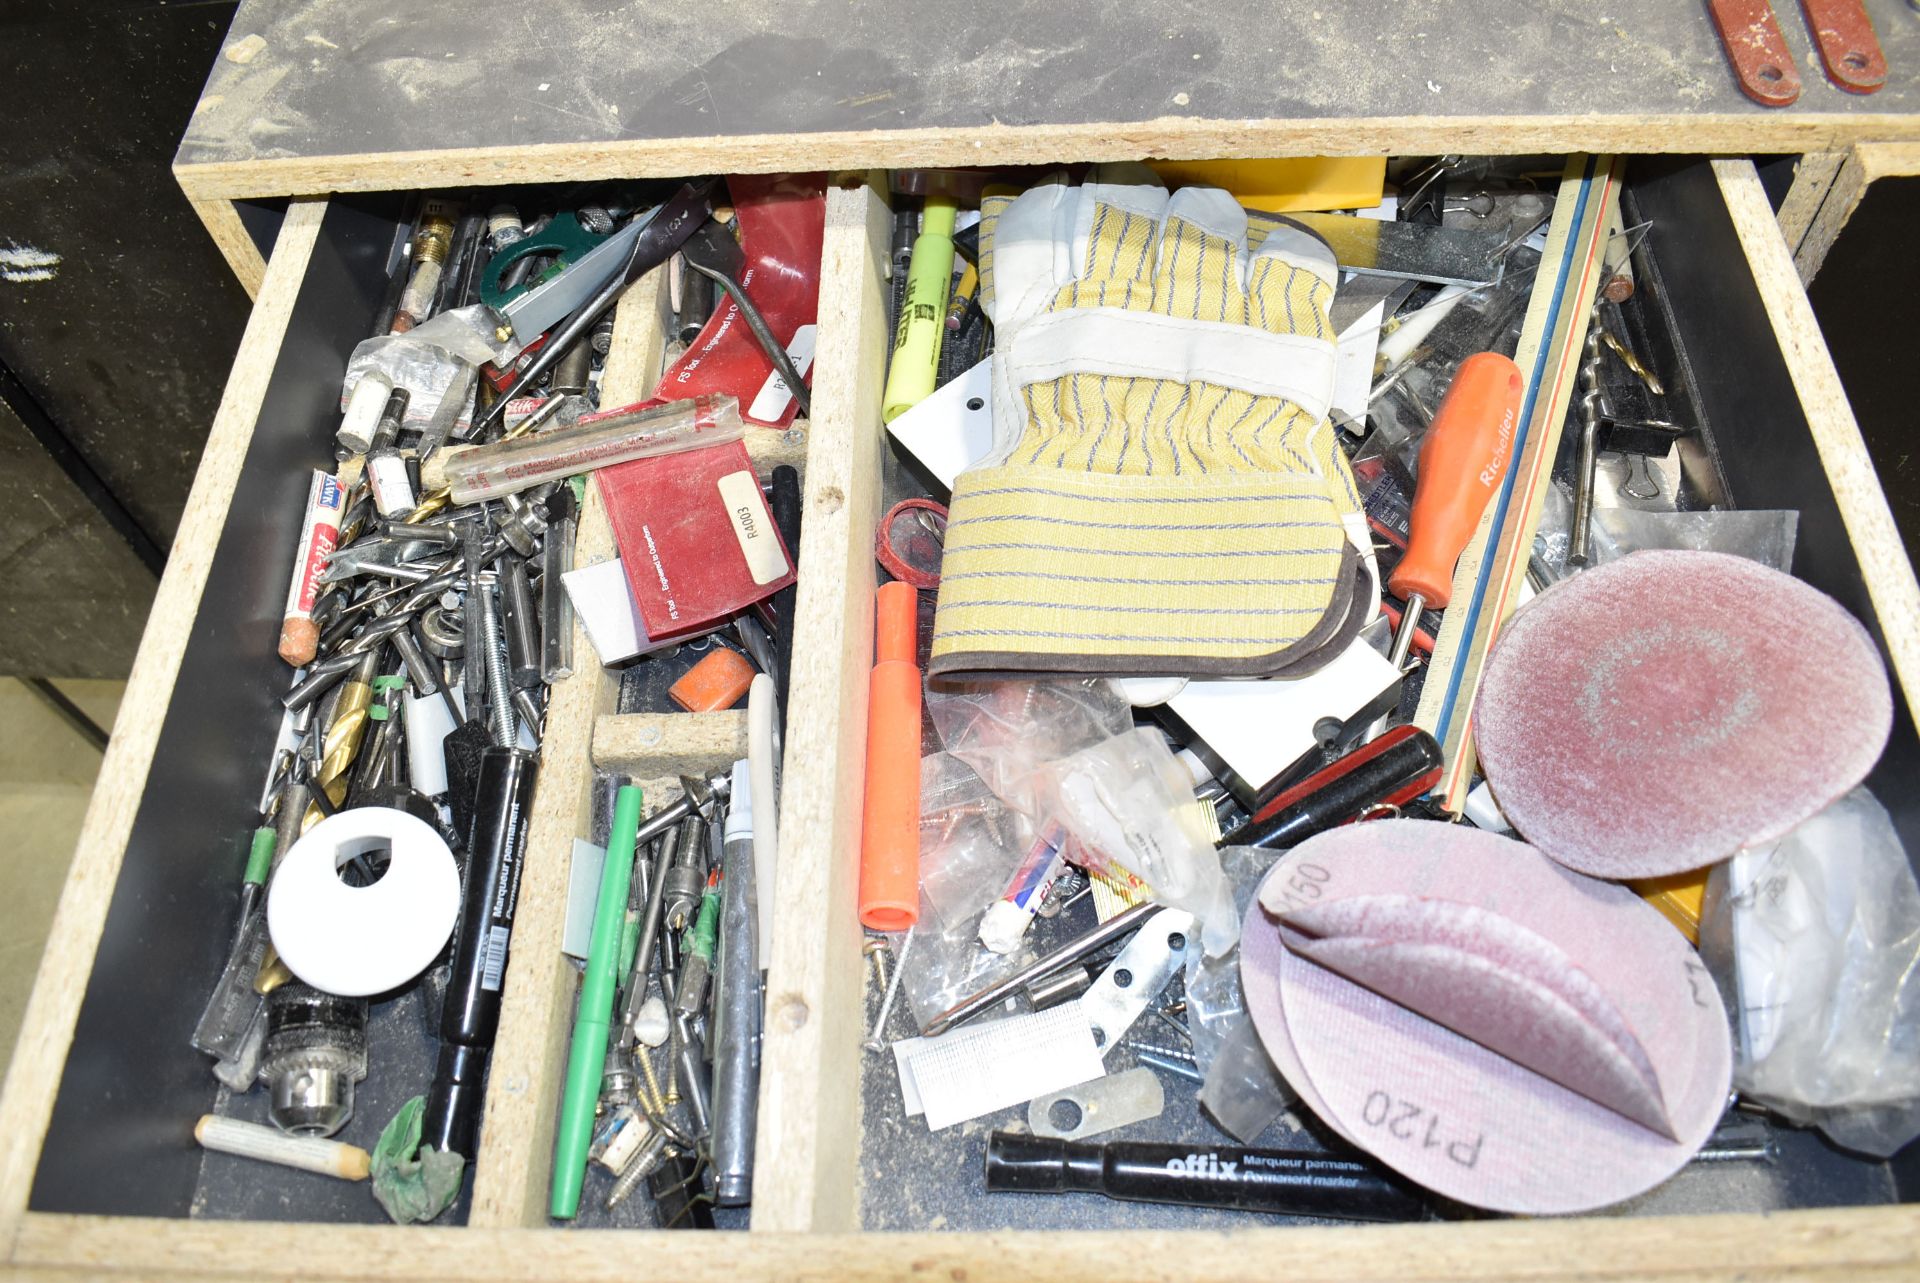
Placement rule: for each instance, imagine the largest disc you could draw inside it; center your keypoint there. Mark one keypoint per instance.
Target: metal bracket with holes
(1122, 993)
(1103, 1105)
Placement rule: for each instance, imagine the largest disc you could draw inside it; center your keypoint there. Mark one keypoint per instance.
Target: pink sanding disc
(1261, 958)
(1658, 713)
(1439, 1107)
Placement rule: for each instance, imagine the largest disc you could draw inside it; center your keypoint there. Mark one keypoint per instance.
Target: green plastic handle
(587, 1061)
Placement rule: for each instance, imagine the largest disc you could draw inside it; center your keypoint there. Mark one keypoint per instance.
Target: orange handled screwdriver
(1462, 462)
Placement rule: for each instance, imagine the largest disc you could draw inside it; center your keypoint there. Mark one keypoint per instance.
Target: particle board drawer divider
(809, 1098)
(1884, 563)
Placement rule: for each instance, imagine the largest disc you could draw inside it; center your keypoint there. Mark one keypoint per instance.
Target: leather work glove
(1165, 494)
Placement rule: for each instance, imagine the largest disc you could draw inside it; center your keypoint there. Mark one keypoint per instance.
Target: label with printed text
(759, 543)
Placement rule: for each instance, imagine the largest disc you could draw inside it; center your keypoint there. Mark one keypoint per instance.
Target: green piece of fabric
(411, 1183)
(382, 707)
(260, 855)
(703, 935)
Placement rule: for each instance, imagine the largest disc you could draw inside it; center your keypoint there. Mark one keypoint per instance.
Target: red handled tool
(1392, 770)
(1463, 460)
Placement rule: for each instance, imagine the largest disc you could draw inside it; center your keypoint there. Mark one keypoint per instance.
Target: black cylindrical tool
(786, 507)
(1248, 1180)
(472, 1012)
(696, 305)
(1391, 771)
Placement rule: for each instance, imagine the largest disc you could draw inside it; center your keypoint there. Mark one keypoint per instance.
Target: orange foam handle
(890, 834)
(716, 682)
(1463, 460)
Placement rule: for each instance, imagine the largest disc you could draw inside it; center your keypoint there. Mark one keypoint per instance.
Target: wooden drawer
(98, 1169)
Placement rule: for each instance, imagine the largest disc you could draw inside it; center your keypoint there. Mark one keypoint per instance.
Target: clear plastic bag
(970, 843)
(1128, 802)
(1008, 730)
(1483, 320)
(1817, 939)
(436, 362)
(1763, 535)
(1554, 533)
(1215, 1005)
(947, 963)
(1244, 1092)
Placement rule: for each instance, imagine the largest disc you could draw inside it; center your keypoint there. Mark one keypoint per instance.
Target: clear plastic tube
(637, 432)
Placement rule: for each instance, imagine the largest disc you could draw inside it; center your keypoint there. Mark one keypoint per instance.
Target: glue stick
(1007, 918)
(319, 532)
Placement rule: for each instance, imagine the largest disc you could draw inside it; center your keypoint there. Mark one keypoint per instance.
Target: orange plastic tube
(890, 834)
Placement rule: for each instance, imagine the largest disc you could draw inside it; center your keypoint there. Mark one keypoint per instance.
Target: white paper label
(775, 396)
(753, 527)
(392, 489)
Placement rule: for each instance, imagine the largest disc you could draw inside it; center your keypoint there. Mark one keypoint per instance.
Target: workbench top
(332, 95)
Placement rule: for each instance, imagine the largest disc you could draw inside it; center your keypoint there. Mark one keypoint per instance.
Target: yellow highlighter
(916, 344)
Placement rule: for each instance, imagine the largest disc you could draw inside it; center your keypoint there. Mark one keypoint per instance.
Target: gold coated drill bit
(1632, 362)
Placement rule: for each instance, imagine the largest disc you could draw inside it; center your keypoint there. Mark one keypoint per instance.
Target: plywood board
(344, 77)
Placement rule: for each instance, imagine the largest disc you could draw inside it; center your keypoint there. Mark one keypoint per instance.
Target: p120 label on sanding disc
(1658, 713)
(1578, 978)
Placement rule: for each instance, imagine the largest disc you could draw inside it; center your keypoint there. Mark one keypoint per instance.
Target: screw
(653, 1101)
(643, 1164)
(673, 1083)
(494, 656)
(1178, 1068)
(874, 1041)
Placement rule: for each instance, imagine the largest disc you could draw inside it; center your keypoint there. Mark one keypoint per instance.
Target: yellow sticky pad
(1679, 897)
(1280, 186)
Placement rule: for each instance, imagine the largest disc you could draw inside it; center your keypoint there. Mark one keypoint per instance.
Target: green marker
(588, 1058)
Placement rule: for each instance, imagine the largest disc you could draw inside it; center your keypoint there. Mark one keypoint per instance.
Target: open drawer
(98, 1169)
(1777, 435)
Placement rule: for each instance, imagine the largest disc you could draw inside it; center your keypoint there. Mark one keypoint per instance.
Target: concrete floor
(47, 771)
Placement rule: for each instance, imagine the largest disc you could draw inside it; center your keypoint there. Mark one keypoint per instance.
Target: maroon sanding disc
(1660, 712)
(1497, 1027)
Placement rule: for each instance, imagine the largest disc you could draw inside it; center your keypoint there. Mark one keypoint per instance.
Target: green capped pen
(587, 1059)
